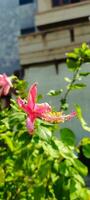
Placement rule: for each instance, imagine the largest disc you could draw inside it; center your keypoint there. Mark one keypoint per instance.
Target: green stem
(64, 99)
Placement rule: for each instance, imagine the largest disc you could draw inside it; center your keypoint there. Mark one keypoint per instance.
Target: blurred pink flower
(5, 84)
(42, 111)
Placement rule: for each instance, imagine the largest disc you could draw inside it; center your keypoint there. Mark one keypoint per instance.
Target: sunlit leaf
(77, 192)
(72, 55)
(81, 119)
(84, 46)
(80, 167)
(67, 79)
(44, 132)
(85, 141)
(87, 52)
(78, 86)
(55, 92)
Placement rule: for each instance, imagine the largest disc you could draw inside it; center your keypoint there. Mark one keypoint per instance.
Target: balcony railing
(47, 14)
(53, 44)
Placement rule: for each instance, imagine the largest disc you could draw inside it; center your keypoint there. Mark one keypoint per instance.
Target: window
(61, 2)
(21, 2)
(75, 1)
(27, 30)
(66, 1)
(55, 3)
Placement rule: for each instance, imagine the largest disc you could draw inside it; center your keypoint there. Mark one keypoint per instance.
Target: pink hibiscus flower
(42, 111)
(5, 84)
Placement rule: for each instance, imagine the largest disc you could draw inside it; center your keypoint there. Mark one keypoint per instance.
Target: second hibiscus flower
(5, 84)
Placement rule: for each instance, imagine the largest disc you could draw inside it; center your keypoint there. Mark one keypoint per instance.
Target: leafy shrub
(38, 165)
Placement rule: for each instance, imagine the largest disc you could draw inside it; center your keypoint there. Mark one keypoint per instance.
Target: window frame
(24, 2)
(28, 30)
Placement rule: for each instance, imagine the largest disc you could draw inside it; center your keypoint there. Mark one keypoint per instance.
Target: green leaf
(44, 132)
(81, 119)
(84, 46)
(85, 141)
(67, 79)
(81, 168)
(54, 177)
(85, 144)
(67, 136)
(40, 96)
(87, 52)
(64, 168)
(64, 105)
(74, 190)
(86, 150)
(39, 192)
(2, 176)
(77, 51)
(8, 141)
(78, 177)
(84, 74)
(65, 150)
(77, 192)
(72, 55)
(78, 86)
(72, 64)
(55, 92)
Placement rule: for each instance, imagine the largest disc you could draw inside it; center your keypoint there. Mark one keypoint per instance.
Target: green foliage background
(43, 167)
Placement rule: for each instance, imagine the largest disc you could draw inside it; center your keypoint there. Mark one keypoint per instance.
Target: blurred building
(16, 18)
(61, 25)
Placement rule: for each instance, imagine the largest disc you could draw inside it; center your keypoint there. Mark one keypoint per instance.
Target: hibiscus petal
(1, 91)
(42, 108)
(5, 83)
(32, 96)
(22, 104)
(7, 80)
(30, 125)
(2, 81)
(6, 89)
(70, 116)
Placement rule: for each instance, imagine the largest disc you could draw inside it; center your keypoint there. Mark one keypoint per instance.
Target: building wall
(48, 79)
(12, 18)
